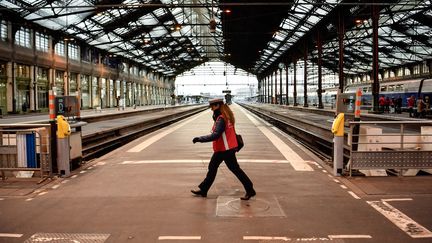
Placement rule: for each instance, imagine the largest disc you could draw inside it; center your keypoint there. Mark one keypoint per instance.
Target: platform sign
(67, 106)
(226, 91)
(346, 102)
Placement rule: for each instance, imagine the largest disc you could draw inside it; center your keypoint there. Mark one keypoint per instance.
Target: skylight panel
(8, 4)
(321, 11)
(83, 36)
(159, 12)
(273, 45)
(121, 31)
(131, 2)
(313, 19)
(49, 24)
(158, 31)
(148, 19)
(303, 7)
(103, 18)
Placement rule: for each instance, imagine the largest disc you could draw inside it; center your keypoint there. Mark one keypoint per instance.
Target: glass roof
(133, 28)
(404, 33)
(174, 38)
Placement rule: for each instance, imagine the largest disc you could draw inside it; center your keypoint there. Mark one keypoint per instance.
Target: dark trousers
(232, 164)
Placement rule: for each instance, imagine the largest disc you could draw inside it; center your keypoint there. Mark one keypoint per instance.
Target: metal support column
(319, 46)
(375, 67)
(271, 89)
(280, 86)
(305, 98)
(341, 33)
(295, 83)
(276, 91)
(286, 84)
(267, 90)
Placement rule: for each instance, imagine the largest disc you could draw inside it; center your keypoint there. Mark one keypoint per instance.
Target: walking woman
(224, 146)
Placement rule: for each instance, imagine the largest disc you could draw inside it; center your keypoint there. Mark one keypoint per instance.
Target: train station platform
(141, 193)
(44, 116)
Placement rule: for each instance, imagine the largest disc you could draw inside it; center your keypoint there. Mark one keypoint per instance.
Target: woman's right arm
(219, 129)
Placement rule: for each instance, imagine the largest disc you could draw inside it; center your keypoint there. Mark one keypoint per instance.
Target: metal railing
(399, 145)
(25, 148)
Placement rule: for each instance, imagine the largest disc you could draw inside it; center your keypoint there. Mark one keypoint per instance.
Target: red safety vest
(228, 138)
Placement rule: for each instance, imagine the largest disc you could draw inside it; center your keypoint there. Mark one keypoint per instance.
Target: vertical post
(271, 89)
(276, 93)
(295, 84)
(286, 84)
(66, 77)
(319, 47)
(341, 33)
(280, 86)
(268, 90)
(375, 67)
(356, 127)
(305, 99)
(53, 132)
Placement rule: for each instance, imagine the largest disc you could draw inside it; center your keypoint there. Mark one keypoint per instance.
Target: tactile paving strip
(67, 238)
(391, 159)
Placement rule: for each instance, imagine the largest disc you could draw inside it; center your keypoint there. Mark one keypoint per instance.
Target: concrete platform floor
(141, 193)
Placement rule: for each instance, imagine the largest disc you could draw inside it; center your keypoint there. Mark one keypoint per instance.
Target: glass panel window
(73, 51)
(425, 67)
(73, 85)
(22, 37)
(95, 92)
(22, 78)
(3, 30)
(22, 71)
(59, 48)
(2, 69)
(383, 88)
(85, 91)
(42, 88)
(59, 83)
(41, 42)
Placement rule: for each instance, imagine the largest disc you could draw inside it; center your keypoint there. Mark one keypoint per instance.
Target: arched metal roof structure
(173, 36)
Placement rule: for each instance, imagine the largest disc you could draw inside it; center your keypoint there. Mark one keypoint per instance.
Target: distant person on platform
(411, 103)
(225, 145)
(427, 105)
(382, 103)
(387, 104)
(398, 105)
(421, 112)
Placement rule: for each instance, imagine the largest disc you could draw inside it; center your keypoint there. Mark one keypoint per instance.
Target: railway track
(316, 137)
(96, 145)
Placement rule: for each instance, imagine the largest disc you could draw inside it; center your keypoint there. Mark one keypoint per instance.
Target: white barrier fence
(403, 146)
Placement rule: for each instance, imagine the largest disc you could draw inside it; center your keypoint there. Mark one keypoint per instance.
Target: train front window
(383, 88)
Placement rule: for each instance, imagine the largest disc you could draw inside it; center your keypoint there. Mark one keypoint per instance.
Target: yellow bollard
(63, 127)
